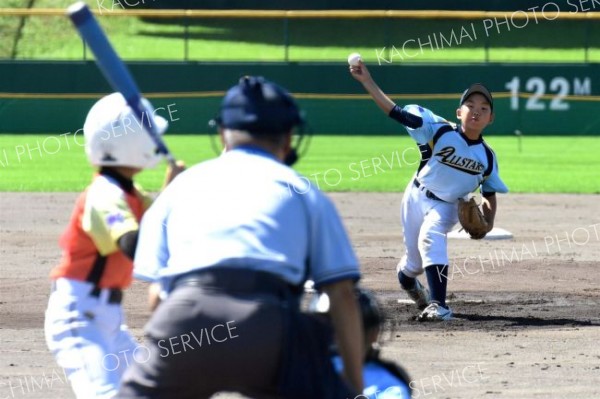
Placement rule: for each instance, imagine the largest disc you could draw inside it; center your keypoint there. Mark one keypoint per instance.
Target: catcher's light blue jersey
(206, 218)
(453, 165)
(379, 383)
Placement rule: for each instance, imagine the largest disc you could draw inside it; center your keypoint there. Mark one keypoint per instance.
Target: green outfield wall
(42, 97)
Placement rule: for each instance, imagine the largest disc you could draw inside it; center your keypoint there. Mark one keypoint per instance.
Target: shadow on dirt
(529, 321)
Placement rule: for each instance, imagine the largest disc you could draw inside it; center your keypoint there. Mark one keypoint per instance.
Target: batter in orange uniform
(85, 327)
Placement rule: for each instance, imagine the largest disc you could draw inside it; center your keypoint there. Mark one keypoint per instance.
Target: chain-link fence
(306, 36)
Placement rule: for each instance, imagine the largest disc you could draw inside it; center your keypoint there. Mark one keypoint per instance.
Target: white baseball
(353, 59)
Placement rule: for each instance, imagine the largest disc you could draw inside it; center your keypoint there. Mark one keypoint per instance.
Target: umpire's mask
(259, 106)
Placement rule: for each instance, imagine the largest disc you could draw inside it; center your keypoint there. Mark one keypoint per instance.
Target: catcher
(383, 379)
(455, 161)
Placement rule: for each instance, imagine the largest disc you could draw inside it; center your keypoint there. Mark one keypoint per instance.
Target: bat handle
(171, 160)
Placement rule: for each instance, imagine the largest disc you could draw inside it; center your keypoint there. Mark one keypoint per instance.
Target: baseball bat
(114, 70)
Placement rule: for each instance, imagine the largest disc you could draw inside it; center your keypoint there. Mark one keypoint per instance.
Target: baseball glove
(471, 219)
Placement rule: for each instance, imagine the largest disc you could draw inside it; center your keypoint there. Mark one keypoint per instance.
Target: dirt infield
(527, 319)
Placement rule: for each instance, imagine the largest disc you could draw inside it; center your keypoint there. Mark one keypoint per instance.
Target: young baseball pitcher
(85, 327)
(455, 161)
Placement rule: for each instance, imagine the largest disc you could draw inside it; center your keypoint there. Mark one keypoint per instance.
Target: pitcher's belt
(428, 193)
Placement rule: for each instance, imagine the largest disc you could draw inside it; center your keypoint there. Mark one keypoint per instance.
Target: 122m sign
(539, 92)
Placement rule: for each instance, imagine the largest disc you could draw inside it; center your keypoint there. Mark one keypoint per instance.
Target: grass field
(335, 163)
(550, 164)
(309, 40)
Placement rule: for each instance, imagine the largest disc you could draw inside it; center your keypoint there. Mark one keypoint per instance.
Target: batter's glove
(471, 219)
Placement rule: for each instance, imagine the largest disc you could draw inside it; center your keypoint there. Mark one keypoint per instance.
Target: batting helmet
(115, 137)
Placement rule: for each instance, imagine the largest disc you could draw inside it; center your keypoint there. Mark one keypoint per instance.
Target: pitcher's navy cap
(478, 88)
(257, 105)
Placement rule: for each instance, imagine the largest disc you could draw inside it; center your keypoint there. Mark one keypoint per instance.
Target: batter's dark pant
(233, 330)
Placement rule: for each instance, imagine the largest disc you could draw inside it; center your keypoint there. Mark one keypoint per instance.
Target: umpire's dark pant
(232, 330)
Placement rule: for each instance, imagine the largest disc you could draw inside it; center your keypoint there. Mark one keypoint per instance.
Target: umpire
(230, 243)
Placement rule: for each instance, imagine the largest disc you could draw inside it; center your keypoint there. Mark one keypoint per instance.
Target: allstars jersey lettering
(447, 157)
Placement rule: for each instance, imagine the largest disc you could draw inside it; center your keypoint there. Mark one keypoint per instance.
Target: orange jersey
(105, 211)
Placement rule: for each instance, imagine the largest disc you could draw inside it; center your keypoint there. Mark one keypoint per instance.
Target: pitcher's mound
(497, 233)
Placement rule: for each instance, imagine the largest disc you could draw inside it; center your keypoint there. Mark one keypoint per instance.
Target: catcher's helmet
(369, 307)
(256, 105)
(115, 137)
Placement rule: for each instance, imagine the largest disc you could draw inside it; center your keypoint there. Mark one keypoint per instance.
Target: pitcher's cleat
(435, 312)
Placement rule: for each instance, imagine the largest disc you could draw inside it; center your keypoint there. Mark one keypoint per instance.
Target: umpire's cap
(257, 105)
(478, 88)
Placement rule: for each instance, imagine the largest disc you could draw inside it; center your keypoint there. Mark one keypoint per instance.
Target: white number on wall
(559, 89)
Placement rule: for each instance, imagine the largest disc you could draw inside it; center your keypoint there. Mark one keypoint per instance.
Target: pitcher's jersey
(452, 165)
(103, 213)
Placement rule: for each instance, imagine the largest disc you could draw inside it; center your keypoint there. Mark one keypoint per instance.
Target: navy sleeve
(406, 118)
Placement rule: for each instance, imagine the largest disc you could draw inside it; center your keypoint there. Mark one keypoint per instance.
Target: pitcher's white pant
(426, 222)
(88, 338)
